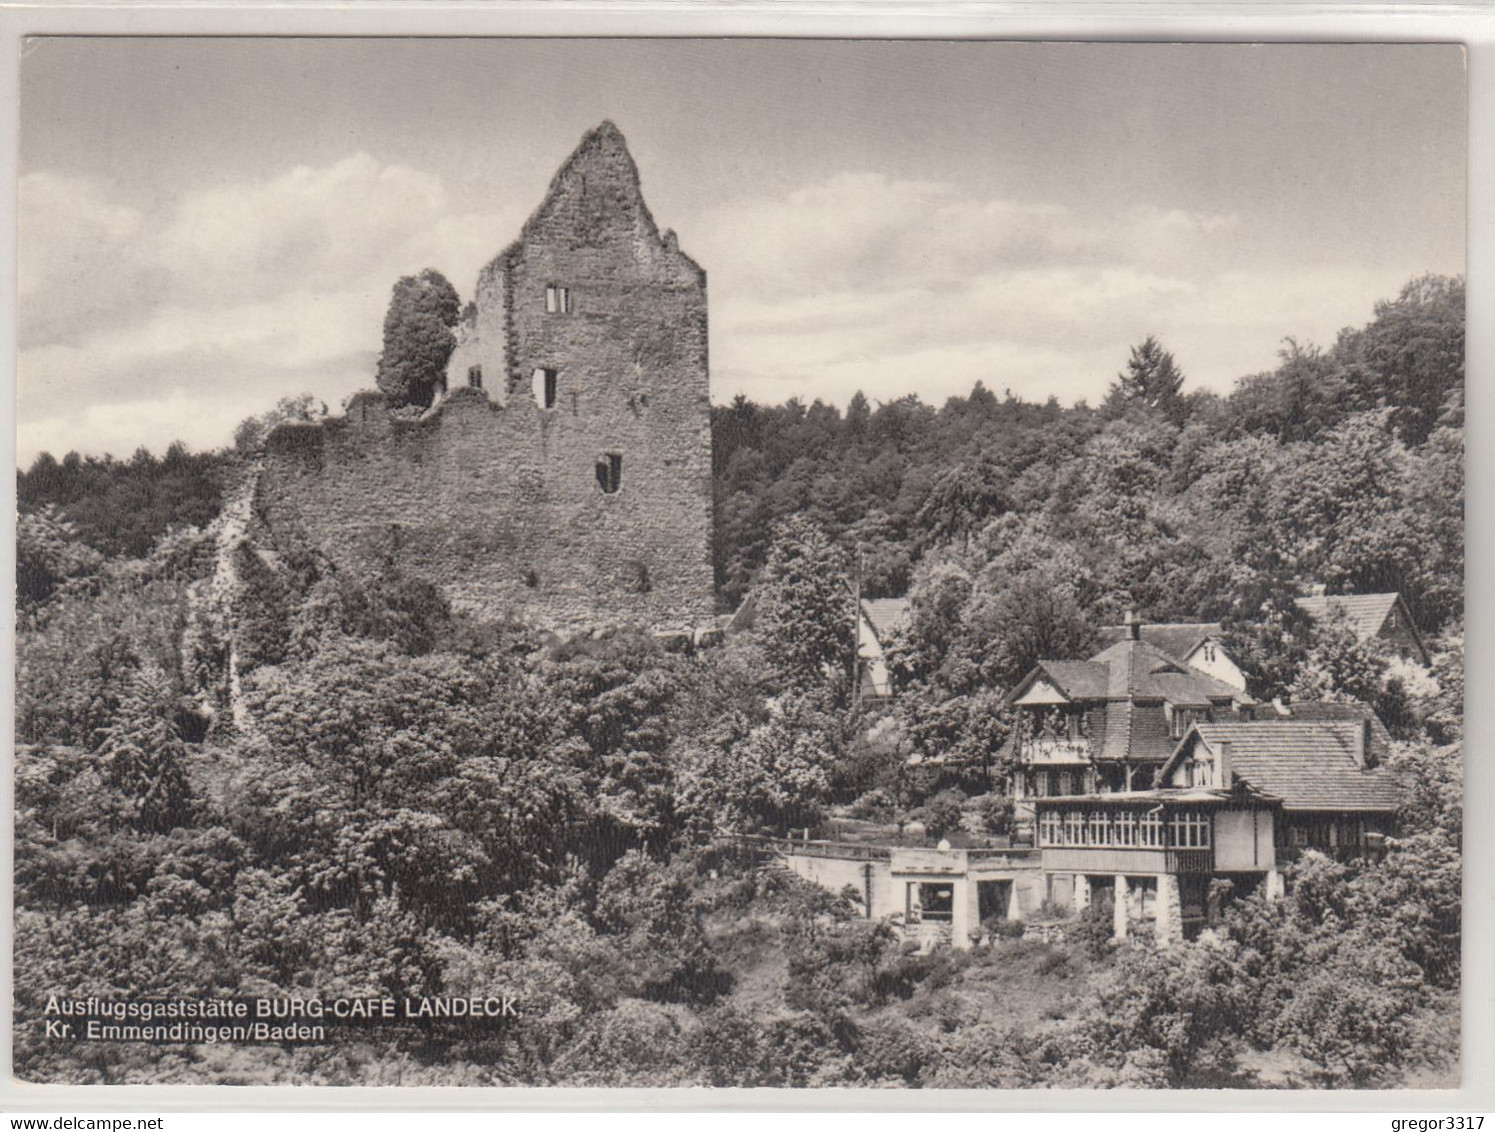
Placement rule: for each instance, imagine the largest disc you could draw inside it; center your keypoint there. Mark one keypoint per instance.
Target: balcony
(1042, 749)
(1138, 861)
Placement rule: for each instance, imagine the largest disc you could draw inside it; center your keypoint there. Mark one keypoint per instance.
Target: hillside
(246, 771)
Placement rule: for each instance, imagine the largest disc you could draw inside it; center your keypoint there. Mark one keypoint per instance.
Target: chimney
(1133, 625)
(1223, 749)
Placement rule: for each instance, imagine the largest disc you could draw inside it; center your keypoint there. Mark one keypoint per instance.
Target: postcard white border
(1470, 24)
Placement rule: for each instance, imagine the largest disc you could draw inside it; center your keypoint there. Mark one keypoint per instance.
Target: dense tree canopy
(285, 779)
(418, 338)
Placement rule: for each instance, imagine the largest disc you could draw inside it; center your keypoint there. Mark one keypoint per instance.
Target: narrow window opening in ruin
(546, 384)
(557, 299)
(475, 376)
(610, 472)
(532, 579)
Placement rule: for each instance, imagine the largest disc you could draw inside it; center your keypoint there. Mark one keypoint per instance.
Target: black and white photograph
(739, 563)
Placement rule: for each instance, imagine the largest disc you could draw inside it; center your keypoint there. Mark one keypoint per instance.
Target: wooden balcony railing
(1140, 861)
(1041, 749)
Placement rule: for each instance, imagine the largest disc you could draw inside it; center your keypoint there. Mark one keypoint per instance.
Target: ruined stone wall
(495, 496)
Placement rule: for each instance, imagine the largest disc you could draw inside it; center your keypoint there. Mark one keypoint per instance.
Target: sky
(206, 226)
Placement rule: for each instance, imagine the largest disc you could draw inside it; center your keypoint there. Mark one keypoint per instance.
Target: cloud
(315, 227)
(233, 295)
(864, 282)
(79, 256)
(872, 233)
(148, 324)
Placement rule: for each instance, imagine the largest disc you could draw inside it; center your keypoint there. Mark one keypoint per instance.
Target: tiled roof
(1180, 689)
(1077, 679)
(1364, 613)
(1139, 670)
(1116, 741)
(1132, 797)
(886, 614)
(1176, 639)
(1315, 712)
(1309, 766)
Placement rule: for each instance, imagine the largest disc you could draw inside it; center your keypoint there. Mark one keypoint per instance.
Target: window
(475, 377)
(1048, 828)
(1074, 828)
(1181, 719)
(1209, 652)
(937, 901)
(1189, 831)
(1066, 783)
(1150, 829)
(557, 299)
(1040, 784)
(610, 472)
(1100, 828)
(546, 382)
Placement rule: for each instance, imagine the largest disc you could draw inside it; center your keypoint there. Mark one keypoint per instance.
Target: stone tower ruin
(564, 477)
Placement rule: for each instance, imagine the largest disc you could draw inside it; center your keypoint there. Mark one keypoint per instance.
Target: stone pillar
(1168, 924)
(1275, 888)
(1082, 893)
(1122, 913)
(963, 914)
(1014, 902)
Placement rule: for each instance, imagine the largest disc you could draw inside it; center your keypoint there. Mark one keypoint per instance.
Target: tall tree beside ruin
(806, 618)
(418, 338)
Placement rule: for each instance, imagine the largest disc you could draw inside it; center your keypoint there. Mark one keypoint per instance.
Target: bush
(941, 814)
(1053, 960)
(1000, 927)
(875, 805)
(1092, 935)
(906, 973)
(995, 813)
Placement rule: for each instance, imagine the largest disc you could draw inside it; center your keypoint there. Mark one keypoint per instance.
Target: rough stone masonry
(564, 477)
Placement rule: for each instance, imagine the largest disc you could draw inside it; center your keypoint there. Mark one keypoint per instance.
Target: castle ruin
(564, 476)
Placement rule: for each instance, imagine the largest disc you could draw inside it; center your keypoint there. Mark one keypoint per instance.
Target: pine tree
(1152, 378)
(144, 757)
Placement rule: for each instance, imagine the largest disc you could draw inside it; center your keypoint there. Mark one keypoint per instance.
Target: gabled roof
(747, 613)
(885, 614)
(602, 166)
(1140, 671)
(1309, 766)
(1363, 613)
(1128, 682)
(1176, 639)
(1315, 712)
(1077, 679)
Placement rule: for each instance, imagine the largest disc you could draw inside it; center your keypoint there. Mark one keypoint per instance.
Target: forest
(383, 796)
